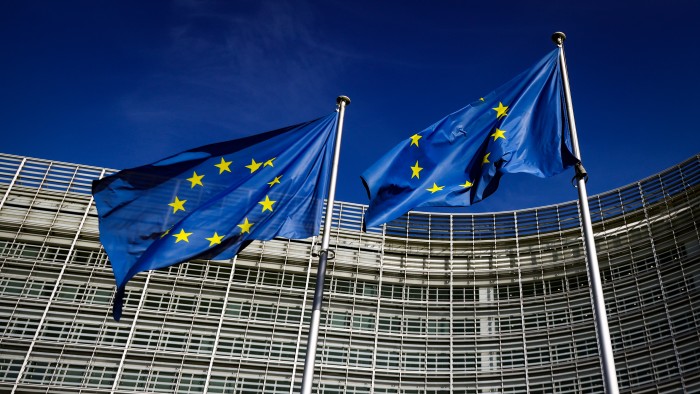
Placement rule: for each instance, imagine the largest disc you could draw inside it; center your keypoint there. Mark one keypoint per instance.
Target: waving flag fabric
(458, 161)
(209, 202)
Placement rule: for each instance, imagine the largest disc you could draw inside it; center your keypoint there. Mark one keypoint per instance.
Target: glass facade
(431, 303)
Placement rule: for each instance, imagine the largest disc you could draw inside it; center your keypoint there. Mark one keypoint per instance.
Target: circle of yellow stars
(197, 180)
(501, 111)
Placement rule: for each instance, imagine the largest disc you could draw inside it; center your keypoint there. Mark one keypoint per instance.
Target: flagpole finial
(344, 99)
(559, 38)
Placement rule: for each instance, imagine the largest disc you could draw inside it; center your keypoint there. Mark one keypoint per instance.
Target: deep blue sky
(123, 83)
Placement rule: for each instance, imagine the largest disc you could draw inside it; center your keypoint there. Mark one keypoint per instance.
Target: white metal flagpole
(310, 361)
(607, 360)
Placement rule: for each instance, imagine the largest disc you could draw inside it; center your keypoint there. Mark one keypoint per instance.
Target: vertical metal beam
(377, 314)
(221, 322)
(607, 361)
(130, 338)
(310, 361)
(303, 312)
(452, 304)
(522, 301)
(379, 304)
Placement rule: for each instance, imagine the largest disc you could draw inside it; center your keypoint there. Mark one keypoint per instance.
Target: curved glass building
(430, 303)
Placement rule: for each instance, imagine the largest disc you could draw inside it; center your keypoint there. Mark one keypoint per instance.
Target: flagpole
(310, 361)
(601, 318)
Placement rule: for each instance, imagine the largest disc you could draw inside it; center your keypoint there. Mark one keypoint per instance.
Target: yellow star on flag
(223, 166)
(467, 184)
(253, 166)
(245, 227)
(182, 236)
(498, 134)
(267, 204)
(178, 205)
(416, 171)
(486, 159)
(269, 162)
(435, 188)
(415, 138)
(196, 180)
(215, 239)
(275, 181)
(501, 110)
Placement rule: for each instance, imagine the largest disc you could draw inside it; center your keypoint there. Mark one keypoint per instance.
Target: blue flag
(458, 161)
(211, 201)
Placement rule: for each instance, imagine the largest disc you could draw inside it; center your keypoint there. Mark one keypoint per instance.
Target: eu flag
(211, 201)
(458, 161)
